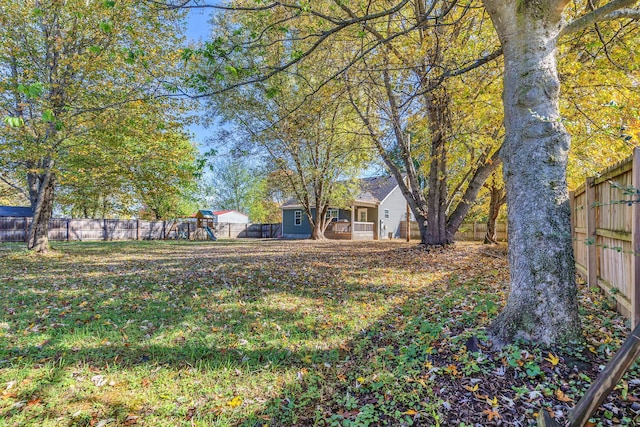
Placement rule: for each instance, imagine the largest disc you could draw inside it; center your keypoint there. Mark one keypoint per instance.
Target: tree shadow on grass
(244, 294)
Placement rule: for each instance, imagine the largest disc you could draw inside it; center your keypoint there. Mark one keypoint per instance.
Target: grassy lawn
(280, 333)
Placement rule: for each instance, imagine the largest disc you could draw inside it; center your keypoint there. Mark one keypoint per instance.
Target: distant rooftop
(20, 211)
(227, 211)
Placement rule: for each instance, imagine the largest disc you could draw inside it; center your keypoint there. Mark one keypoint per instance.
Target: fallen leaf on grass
(34, 401)
(491, 414)
(553, 359)
(410, 412)
(349, 414)
(472, 389)
(131, 419)
(98, 380)
(562, 397)
(235, 402)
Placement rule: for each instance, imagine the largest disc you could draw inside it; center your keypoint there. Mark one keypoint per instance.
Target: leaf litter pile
(282, 333)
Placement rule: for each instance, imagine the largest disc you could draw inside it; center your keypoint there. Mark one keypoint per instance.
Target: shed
(231, 217)
(16, 211)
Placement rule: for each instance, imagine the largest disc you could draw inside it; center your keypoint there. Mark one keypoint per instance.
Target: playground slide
(210, 233)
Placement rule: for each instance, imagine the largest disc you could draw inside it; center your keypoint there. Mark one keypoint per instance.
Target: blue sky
(198, 30)
(197, 25)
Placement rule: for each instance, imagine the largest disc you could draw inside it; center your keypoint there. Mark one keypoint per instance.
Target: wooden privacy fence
(470, 231)
(16, 229)
(475, 231)
(606, 233)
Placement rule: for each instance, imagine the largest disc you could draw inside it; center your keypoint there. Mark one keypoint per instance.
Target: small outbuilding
(230, 217)
(16, 211)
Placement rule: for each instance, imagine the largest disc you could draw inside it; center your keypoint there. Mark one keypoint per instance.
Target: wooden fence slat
(635, 245)
(592, 260)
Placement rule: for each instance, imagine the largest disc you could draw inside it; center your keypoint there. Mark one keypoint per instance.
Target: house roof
(376, 188)
(228, 211)
(372, 190)
(16, 211)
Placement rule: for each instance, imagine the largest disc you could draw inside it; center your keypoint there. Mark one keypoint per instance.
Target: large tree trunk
(317, 222)
(439, 124)
(41, 194)
(317, 231)
(542, 305)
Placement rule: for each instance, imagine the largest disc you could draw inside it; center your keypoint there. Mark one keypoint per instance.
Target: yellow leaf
(562, 397)
(360, 380)
(235, 402)
(470, 388)
(493, 402)
(553, 359)
(411, 412)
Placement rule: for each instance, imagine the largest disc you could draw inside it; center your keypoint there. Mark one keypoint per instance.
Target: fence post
(68, 229)
(104, 229)
(635, 243)
(137, 229)
(592, 253)
(26, 229)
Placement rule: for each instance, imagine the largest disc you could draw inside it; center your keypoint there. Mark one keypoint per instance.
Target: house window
(386, 214)
(297, 218)
(362, 215)
(332, 214)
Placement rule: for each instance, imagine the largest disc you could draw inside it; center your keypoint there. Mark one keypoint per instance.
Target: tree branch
(14, 186)
(613, 10)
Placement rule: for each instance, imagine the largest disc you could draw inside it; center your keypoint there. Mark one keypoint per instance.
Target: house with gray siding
(374, 214)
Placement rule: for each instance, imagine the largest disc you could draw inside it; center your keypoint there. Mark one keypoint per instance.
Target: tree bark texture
(542, 305)
(317, 221)
(439, 123)
(498, 198)
(41, 195)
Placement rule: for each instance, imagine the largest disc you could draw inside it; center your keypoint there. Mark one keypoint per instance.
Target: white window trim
(297, 218)
(328, 216)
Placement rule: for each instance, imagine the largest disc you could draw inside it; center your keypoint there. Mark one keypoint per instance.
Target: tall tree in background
(65, 67)
(444, 162)
(318, 148)
(497, 199)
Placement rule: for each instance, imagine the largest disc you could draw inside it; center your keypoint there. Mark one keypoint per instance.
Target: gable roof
(372, 190)
(376, 188)
(16, 211)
